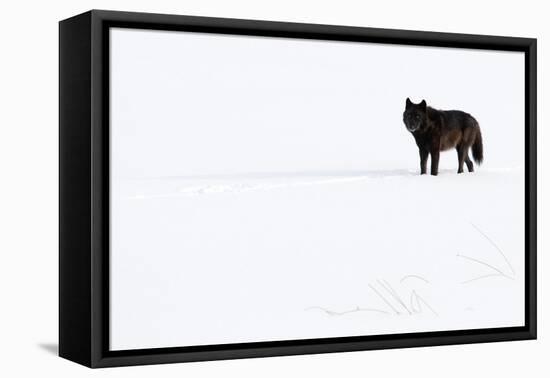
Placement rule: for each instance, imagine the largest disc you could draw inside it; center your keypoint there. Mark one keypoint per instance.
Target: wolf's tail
(477, 148)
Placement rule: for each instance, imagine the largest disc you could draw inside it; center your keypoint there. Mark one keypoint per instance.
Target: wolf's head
(414, 116)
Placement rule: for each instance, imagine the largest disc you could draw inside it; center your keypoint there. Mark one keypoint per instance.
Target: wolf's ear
(408, 103)
(423, 104)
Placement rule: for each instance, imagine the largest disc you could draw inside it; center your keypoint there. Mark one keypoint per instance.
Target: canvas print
(266, 189)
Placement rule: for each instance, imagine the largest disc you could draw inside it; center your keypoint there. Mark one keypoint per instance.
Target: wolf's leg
(435, 161)
(423, 160)
(469, 163)
(462, 152)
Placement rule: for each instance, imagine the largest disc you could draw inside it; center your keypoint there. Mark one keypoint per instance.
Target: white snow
(250, 259)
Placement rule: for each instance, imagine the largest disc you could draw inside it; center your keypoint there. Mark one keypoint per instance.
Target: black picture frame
(84, 187)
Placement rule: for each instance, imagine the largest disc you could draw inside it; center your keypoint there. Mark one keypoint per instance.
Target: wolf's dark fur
(439, 130)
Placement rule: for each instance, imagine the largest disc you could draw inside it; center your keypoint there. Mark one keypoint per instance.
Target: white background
(257, 182)
(28, 149)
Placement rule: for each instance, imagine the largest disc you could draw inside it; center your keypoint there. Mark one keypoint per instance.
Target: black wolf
(439, 130)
